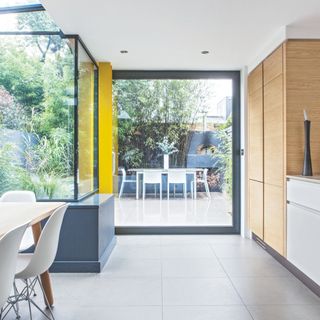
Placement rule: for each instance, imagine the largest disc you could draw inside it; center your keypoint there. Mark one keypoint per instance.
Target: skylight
(16, 3)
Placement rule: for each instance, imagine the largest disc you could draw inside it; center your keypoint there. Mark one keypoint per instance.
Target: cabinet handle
(310, 210)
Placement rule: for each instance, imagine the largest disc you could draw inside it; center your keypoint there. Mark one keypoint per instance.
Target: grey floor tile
(206, 313)
(74, 312)
(185, 239)
(148, 240)
(105, 291)
(285, 312)
(183, 277)
(228, 239)
(278, 290)
(240, 250)
(187, 251)
(190, 267)
(132, 268)
(137, 252)
(253, 267)
(197, 292)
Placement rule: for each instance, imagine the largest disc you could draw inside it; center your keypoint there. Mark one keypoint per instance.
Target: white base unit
(303, 239)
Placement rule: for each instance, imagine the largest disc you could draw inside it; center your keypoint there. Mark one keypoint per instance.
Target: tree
(40, 21)
(157, 108)
(36, 98)
(21, 74)
(12, 114)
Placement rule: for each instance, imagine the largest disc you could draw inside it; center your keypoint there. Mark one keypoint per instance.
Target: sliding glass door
(170, 122)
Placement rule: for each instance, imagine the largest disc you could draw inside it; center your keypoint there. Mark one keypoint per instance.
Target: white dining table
(189, 171)
(14, 214)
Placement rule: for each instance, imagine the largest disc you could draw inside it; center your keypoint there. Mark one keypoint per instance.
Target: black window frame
(22, 8)
(235, 77)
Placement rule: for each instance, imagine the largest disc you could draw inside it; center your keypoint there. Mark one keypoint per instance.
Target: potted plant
(167, 148)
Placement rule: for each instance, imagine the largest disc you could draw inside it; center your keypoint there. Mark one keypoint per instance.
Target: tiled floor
(174, 212)
(185, 278)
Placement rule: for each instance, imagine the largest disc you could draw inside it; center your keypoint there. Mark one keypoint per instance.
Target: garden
(156, 112)
(36, 110)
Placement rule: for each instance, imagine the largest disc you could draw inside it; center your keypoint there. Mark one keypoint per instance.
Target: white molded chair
(177, 177)
(204, 180)
(9, 246)
(40, 261)
(21, 196)
(124, 181)
(152, 177)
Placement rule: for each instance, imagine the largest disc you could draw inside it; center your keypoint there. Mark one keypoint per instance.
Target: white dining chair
(22, 196)
(9, 246)
(40, 261)
(203, 179)
(124, 181)
(177, 177)
(152, 177)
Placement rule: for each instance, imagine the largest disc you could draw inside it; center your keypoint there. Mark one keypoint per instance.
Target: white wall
(244, 75)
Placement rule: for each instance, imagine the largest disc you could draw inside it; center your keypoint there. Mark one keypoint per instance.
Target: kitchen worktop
(313, 179)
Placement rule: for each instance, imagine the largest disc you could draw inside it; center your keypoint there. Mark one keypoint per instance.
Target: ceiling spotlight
(123, 51)
(205, 52)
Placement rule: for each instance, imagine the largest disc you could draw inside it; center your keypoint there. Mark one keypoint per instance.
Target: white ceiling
(169, 34)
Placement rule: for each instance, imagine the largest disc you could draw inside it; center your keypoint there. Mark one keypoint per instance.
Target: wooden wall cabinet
(284, 84)
(256, 207)
(274, 220)
(255, 125)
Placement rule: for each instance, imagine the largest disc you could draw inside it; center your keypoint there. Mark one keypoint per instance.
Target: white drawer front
(303, 240)
(304, 193)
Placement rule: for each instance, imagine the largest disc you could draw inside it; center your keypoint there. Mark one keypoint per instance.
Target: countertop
(94, 200)
(313, 179)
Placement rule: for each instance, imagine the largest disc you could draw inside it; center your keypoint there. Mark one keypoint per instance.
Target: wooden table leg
(45, 277)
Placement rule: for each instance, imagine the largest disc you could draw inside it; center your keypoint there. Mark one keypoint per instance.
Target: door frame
(236, 149)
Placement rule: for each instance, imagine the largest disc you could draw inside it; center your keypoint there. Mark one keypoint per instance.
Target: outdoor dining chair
(177, 177)
(154, 178)
(124, 181)
(204, 180)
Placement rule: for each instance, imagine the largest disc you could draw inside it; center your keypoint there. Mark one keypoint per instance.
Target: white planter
(166, 161)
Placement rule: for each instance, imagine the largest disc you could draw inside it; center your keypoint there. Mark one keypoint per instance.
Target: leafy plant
(166, 147)
(223, 152)
(133, 158)
(8, 171)
(157, 109)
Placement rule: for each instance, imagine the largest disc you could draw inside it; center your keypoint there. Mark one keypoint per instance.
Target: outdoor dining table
(14, 214)
(189, 171)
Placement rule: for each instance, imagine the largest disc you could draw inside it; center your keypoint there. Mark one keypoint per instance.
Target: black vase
(307, 165)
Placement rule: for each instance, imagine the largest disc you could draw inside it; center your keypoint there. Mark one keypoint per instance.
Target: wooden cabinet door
(273, 65)
(256, 207)
(274, 132)
(255, 133)
(274, 217)
(255, 79)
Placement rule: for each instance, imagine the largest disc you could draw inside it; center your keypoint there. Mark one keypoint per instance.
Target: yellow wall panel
(106, 129)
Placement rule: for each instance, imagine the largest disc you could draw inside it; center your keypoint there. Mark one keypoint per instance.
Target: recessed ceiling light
(205, 52)
(123, 51)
